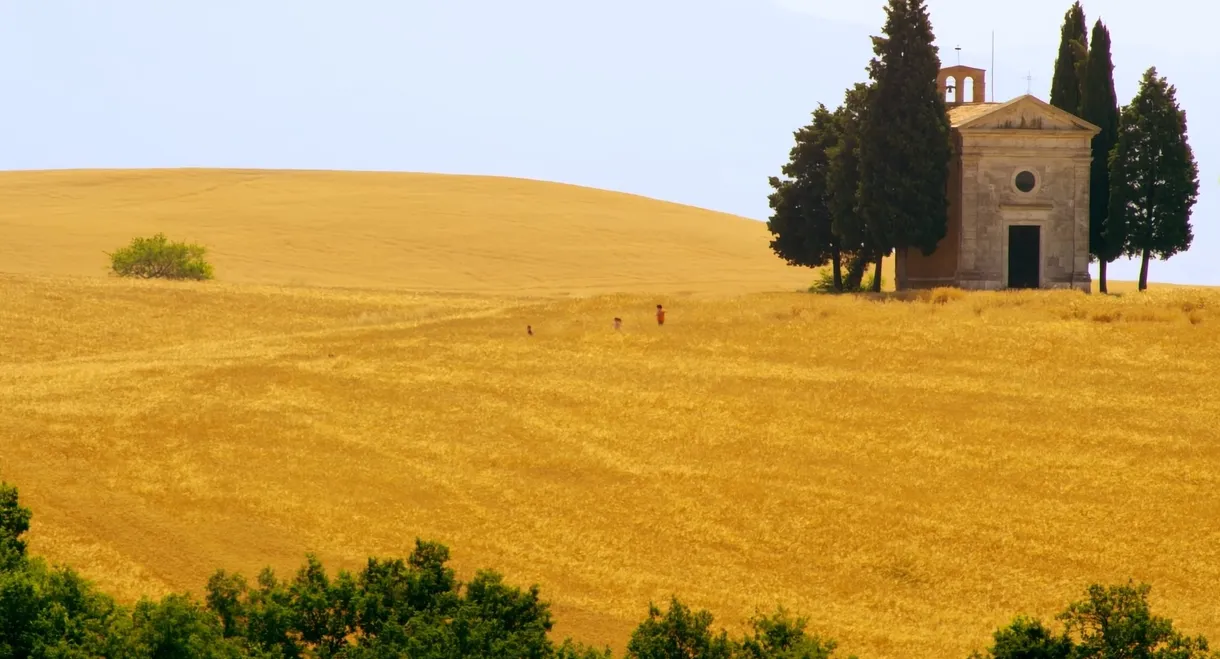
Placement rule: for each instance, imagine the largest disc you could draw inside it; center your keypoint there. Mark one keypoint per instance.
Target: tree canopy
(1110, 622)
(904, 138)
(1154, 179)
(843, 183)
(801, 220)
(1100, 107)
(1067, 85)
(14, 522)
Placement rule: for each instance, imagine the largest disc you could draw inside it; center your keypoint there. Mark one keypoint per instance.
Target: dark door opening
(1024, 256)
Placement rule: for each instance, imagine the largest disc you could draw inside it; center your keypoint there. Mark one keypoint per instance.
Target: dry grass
(387, 230)
(910, 474)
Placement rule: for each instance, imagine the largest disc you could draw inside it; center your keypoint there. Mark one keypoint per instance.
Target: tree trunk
(1144, 272)
(837, 257)
(900, 268)
(877, 275)
(855, 272)
(1101, 276)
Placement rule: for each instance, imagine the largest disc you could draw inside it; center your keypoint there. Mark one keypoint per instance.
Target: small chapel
(1018, 194)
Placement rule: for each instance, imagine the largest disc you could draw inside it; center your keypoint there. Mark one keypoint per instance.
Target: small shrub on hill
(158, 258)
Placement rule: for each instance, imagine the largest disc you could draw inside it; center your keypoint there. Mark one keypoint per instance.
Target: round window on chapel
(1025, 181)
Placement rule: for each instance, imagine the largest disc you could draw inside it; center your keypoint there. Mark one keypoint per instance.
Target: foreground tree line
(870, 178)
(417, 609)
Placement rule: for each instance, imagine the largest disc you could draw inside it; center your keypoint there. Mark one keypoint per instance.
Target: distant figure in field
(660, 315)
(529, 330)
(618, 323)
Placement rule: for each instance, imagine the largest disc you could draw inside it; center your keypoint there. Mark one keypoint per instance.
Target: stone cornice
(1053, 133)
(975, 156)
(1035, 206)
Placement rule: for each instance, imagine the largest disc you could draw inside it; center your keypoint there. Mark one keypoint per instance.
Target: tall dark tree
(1100, 106)
(1154, 179)
(904, 141)
(800, 219)
(1067, 86)
(843, 182)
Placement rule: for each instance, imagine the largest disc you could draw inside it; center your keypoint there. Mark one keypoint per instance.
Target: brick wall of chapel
(940, 267)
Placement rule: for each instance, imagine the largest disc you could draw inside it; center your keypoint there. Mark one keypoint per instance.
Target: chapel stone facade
(1018, 195)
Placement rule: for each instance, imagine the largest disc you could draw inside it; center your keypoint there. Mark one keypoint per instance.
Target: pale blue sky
(691, 101)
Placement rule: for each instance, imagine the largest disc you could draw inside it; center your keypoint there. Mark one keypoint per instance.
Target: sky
(692, 101)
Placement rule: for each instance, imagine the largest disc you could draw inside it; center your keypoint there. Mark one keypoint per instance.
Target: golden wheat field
(426, 232)
(909, 473)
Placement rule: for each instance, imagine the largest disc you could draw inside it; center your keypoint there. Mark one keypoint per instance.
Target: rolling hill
(910, 474)
(421, 232)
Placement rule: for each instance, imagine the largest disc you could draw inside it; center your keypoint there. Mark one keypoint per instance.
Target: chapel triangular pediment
(1022, 113)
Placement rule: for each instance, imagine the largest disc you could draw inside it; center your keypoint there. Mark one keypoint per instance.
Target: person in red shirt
(660, 315)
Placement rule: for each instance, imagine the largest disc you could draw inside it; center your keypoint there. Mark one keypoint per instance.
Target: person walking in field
(660, 315)
(618, 323)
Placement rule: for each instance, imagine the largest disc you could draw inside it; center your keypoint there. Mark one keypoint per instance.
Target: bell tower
(962, 85)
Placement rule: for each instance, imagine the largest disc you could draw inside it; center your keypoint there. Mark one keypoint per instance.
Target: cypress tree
(843, 182)
(1067, 86)
(1100, 107)
(1154, 179)
(801, 220)
(904, 140)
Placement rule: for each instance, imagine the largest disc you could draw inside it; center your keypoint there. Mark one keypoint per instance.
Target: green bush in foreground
(157, 258)
(14, 521)
(1111, 622)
